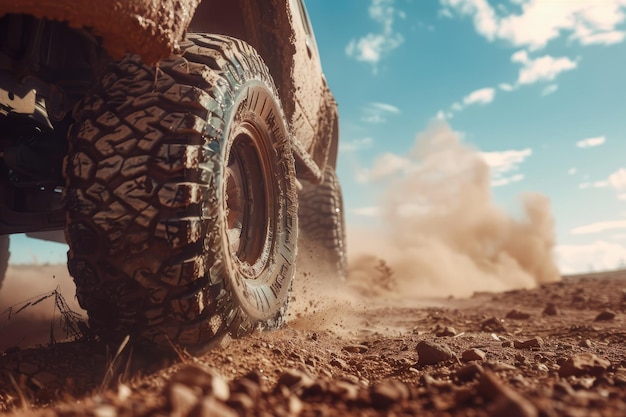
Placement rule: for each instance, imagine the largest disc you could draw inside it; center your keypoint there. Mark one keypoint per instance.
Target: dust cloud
(441, 234)
(437, 233)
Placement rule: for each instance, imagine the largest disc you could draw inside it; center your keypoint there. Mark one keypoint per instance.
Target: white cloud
(373, 46)
(618, 179)
(506, 161)
(594, 184)
(605, 38)
(355, 145)
(545, 68)
(549, 89)
(503, 163)
(572, 171)
(499, 182)
(541, 21)
(599, 227)
(444, 115)
(507, 87)
(591, 142)
(378, 112)
(597, 256)
(481, 96)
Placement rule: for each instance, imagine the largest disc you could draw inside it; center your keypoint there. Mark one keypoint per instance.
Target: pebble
(473, 355)
(105, 411)
(294, 380)
(585, 343)
(583, 364)
(469, 371)
(209, 381)
(550, 310)
(606, 315)
(430, 353)
(181, 398)
(517, 315)
(504, 401)
(210, 407)
(447, 331)
(493, 325)
(356, 348)
(338, 363)
(344, 390)
(387, 393)
(241, 401)
(535, 342)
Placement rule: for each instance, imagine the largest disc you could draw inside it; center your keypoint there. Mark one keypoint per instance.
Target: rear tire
(182, 205)
(322, 222)
(4, 257)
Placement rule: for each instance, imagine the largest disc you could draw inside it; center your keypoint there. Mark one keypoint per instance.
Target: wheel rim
(248, 197)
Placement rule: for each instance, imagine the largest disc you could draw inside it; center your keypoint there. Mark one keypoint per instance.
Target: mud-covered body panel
(150, 28)
(278, 29)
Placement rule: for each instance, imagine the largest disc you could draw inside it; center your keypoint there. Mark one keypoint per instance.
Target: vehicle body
(67, 66)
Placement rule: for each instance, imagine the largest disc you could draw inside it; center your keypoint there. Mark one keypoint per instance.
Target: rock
(356, 348)
(294, 380)
(469, 372)
(181, 398)
(388, 393)
(248, 387)
(447, 331)
(295, 406)
(583, 364)
(209, 381)
(211, 407)
(473, 355)
(430, 353)
(504, 401)
(241, 401)
(344, 391)
(550, 310)
(620, 378)
(535, 342)
(606, 315)
(517, 315)
(105, 411)
(339, 363)
(493, 325)
(585, 343)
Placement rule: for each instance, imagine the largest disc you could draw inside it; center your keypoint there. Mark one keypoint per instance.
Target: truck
(184, 147)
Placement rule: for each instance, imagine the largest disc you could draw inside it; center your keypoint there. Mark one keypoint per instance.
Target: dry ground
(557, 350)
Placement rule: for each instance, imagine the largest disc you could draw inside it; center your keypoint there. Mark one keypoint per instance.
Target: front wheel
(182, 202)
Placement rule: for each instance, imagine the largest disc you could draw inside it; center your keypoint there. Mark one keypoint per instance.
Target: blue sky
(537, 85)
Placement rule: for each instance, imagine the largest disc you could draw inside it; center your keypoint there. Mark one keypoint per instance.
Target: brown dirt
(556, 350)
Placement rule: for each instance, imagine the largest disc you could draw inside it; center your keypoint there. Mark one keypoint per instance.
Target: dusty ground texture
(557, 350)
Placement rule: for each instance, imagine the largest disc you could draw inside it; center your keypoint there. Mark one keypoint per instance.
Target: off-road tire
(4, 257)
(322, 223)
(181, 197)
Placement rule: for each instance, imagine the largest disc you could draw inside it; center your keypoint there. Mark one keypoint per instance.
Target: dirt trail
(556, 350)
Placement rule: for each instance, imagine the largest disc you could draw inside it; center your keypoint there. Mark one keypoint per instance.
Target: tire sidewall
(263, 295)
